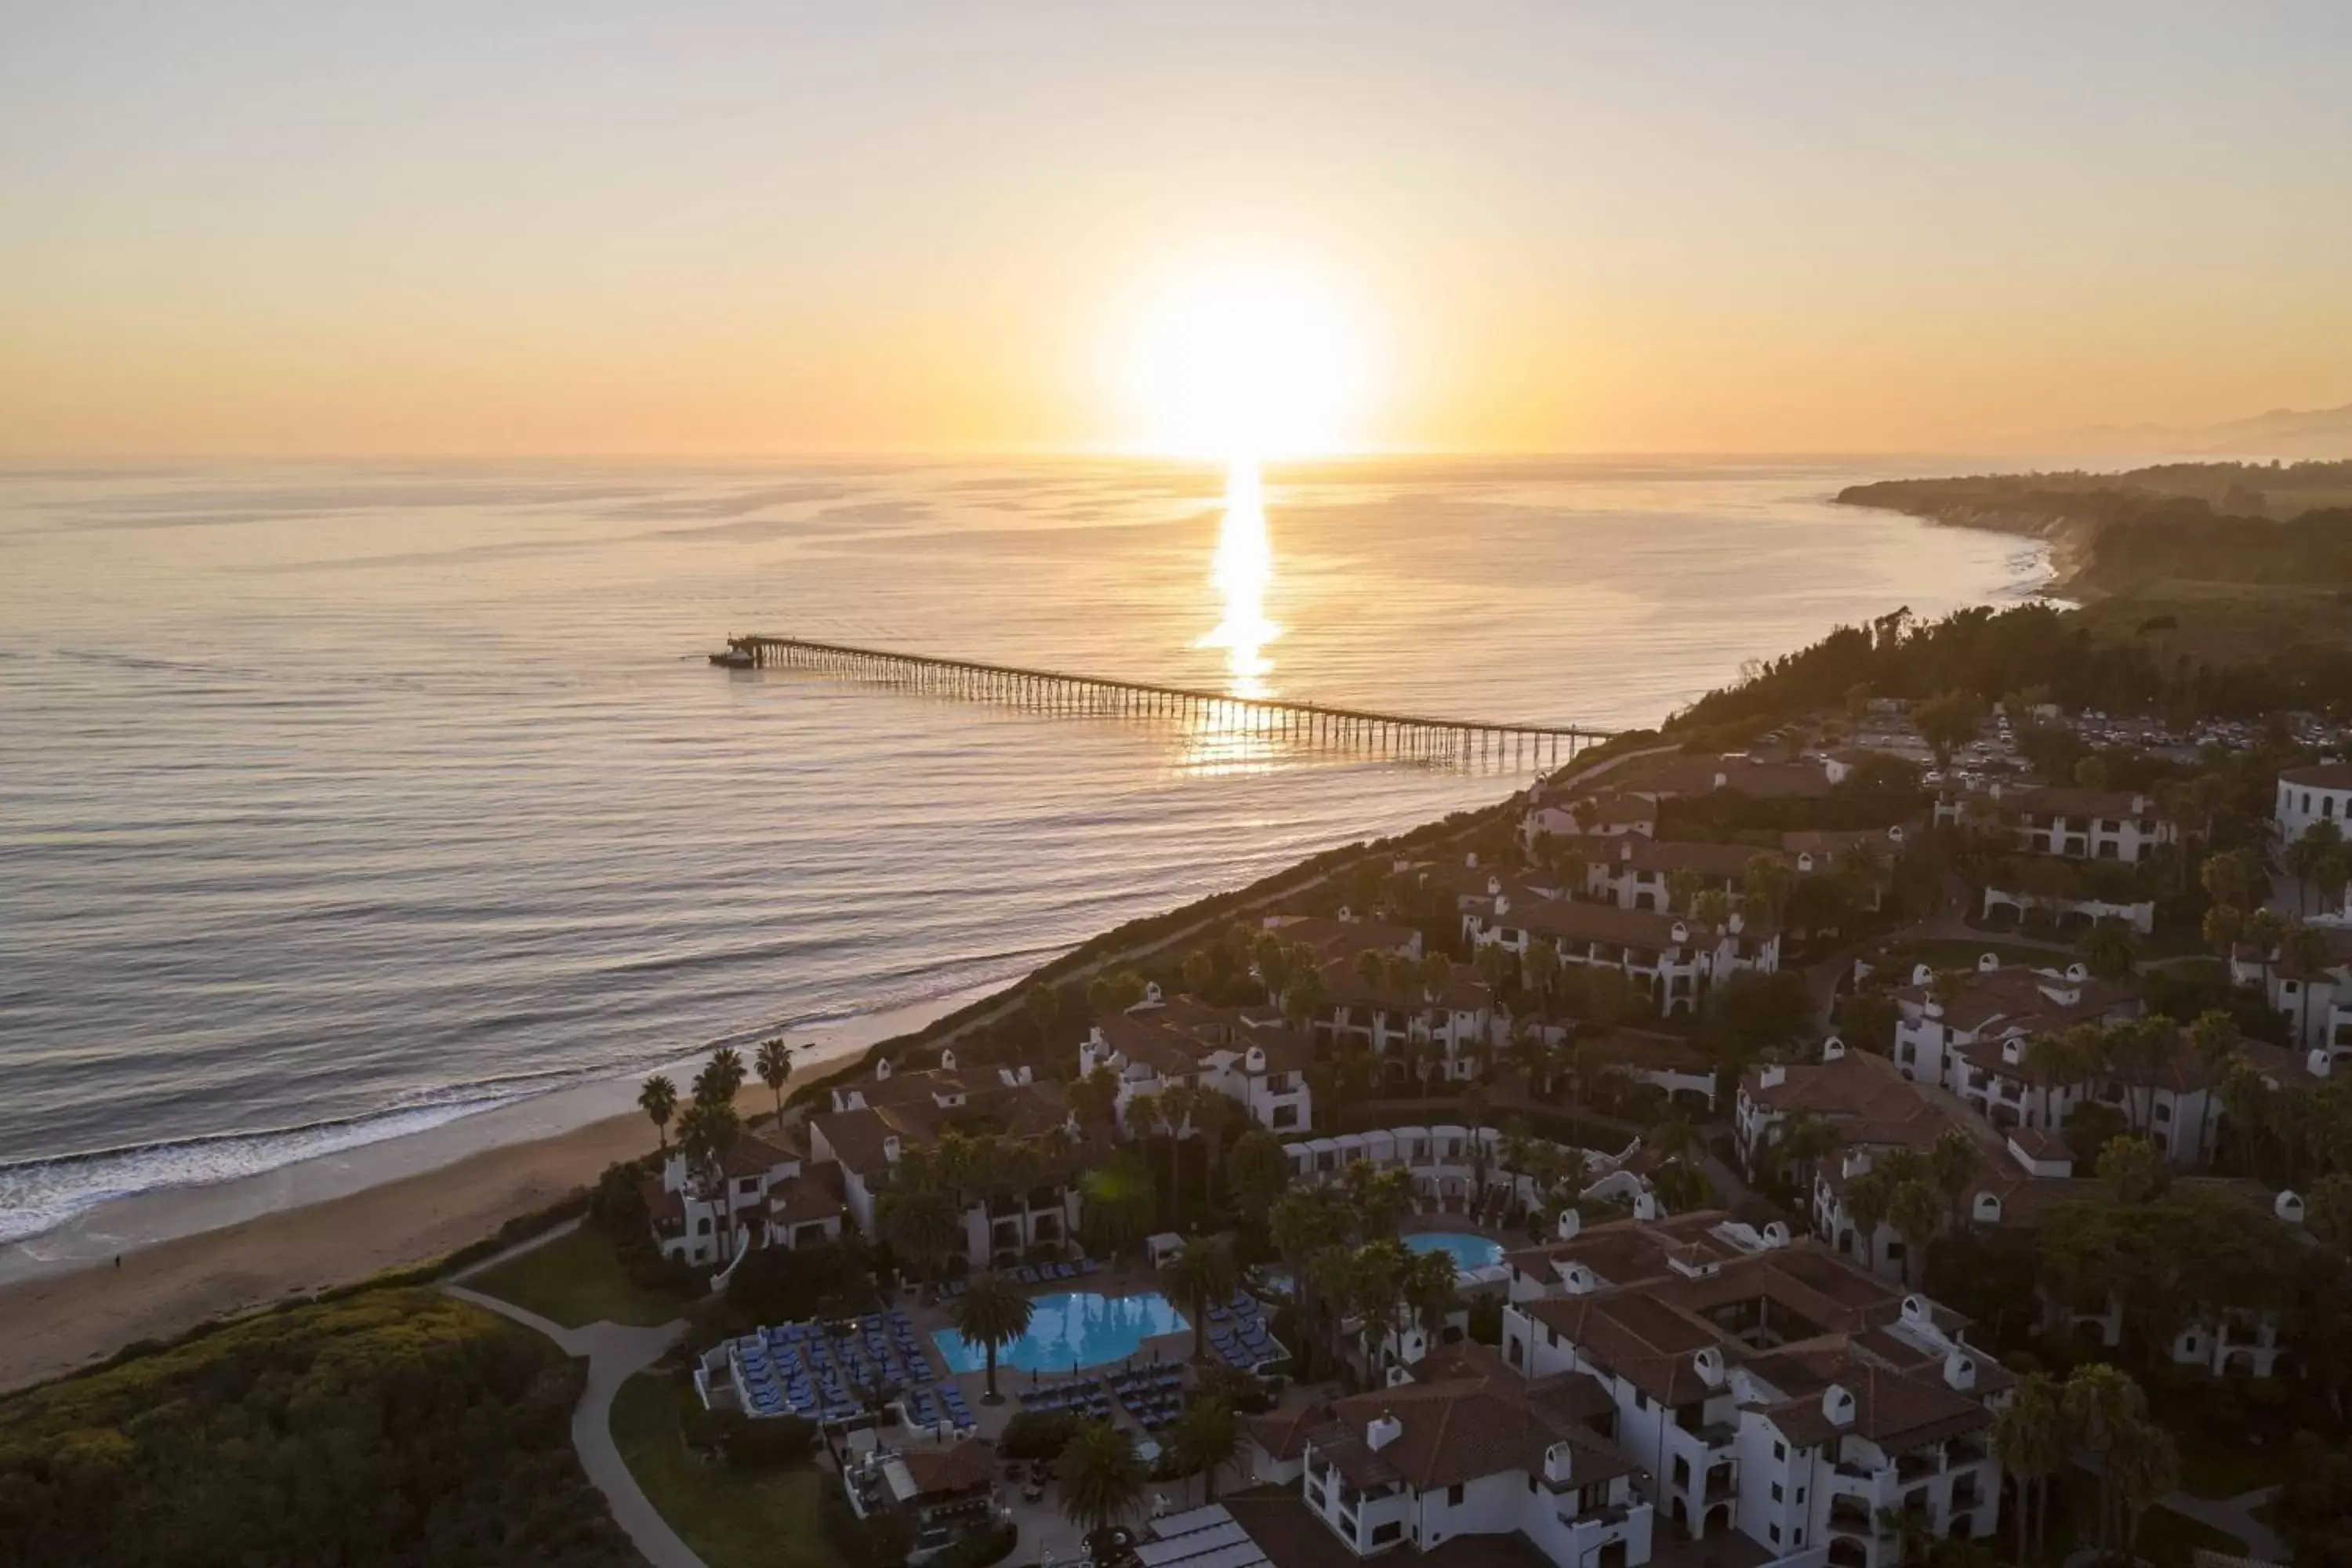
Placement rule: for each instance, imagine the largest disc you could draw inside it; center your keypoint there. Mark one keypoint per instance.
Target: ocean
(340, 801)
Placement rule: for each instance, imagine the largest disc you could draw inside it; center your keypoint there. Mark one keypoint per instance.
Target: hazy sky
(314, 227)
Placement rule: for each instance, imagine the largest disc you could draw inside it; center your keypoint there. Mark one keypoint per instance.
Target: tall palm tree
(1094, 1096)
(1256, 1174)
(774, 1064)
(1119, 1204)
(1952, 1167)
(1913, 1210)
(1214, 1117)
(706, 1131)
(2266, 930)
(1044, 1005)
(2029, 1435)
(1102, 1479)
(1204, 1275)
(922, 1225)
(1805, 1140)
(657, 1098)
(991, 1314)
(1208, 1437)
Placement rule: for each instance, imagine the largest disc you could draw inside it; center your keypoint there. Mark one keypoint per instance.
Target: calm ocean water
(339, 801)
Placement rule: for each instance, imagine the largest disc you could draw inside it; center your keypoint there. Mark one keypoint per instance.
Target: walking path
(615, 1353)
(2233, 1516)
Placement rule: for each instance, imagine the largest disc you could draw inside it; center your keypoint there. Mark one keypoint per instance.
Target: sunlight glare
(1241, 570)
(1249, 362)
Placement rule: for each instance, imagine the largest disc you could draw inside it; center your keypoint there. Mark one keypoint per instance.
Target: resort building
(1772, 1389)
(1674, 958)
(2315, 999)
(1994, 1006)
(1610, 815)
(766, 1193)
(1467, 1448)
(1639, 872)
(2320, 794)
(1453, 1027)
(1341, 938)
(1031, 1205)
(1243, 1053)
(1862, 1096)
(2076, 824)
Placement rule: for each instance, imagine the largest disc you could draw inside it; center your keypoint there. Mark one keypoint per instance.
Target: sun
(1249, 360)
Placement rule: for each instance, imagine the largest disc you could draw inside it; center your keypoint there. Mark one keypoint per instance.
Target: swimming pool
(1079, 1328)
(1469, 1251)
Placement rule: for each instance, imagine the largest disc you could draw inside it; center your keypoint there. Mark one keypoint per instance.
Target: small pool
(1468, 1251)
(1077, 1329)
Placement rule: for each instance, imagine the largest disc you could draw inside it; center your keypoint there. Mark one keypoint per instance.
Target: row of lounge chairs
(1047, 1273)
(1154, 1396)
(818, 1372)
(1080, 1397)
(1237, 1332)
(934, 1406)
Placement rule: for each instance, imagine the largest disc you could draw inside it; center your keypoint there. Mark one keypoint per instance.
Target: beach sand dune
(59, 1321)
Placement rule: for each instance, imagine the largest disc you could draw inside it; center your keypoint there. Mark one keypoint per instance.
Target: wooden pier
(1456, 742)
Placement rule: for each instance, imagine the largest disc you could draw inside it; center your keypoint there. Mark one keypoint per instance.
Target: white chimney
(1383, 1430)
(1832, 1049)
(1774, 1075)
(1560, 1462)
(1709, 1364)
(890, 1147)
(1837, 1405)
(1960, 1370)
(947, 1059)
(1570, 1222)
(882, 1070)
(2288, 1206)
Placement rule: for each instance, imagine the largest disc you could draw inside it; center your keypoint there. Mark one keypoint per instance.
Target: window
(1531, 1480)
(1801, 1498)
(1773, 1531)
(1776, 1491)
(1384, 1533)
(1593, 1496)
(1780, 1450)
(1454, 1495)
(1641, 1400)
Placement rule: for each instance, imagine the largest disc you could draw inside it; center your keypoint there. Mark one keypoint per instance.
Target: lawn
(575, 1280)
(2166, 1539)
(1943, 953)
(732, 1520)
(2217, 1464)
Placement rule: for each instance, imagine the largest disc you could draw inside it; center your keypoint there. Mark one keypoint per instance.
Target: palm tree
(1214, 1117)
(1256, 1174)
(2266, 929)
(775, 1062)
(657, 1098)
(1042, 1005)
(1094, 1096)
(2029, 1435)
(922, 1226)
(2106, 1414)
(721, 1077)
(1119, 1204)
(1673, 1138)
(991, 1314)
(2223, 926)
(1766, 885)
(706, 1134)
(1952, 1167)
(1204, 1277)
(2308, 951)
(1867, 1204)
(1208, 1437)
(1913, 1210)
(1178, 1103)
(2107, 947)
(1102, 1479)
(1805, 1140)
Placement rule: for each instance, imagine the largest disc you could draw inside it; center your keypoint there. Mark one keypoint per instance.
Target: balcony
(1915, 1466)
(1850, 1514)
(1720, 1437)
(1722, 1484)
(1854, 1472)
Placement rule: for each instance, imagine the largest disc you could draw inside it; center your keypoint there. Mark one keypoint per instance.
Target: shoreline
(141, 1221)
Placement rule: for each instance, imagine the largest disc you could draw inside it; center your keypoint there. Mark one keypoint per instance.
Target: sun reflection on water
(1242, 571)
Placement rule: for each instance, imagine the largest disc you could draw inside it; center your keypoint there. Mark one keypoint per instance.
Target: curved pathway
(2234, 1516)
(615, 1353)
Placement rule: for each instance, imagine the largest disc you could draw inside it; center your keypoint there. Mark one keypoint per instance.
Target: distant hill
(2323, 433)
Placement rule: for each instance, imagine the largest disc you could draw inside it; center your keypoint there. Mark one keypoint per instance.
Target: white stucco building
(2318, 794)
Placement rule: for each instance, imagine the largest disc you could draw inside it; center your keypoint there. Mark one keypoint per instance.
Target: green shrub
(770, 1443)
(1037, 1434)
(396, 1427)
(981, 1549)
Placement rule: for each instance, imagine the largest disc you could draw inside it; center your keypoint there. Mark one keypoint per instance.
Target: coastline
(188, 1253)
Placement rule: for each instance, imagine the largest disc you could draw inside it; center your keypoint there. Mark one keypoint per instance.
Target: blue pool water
(1080, 1329)
(1469, 1251)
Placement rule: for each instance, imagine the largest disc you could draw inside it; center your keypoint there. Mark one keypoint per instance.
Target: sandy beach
(59, 1321)
(189, 1254)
